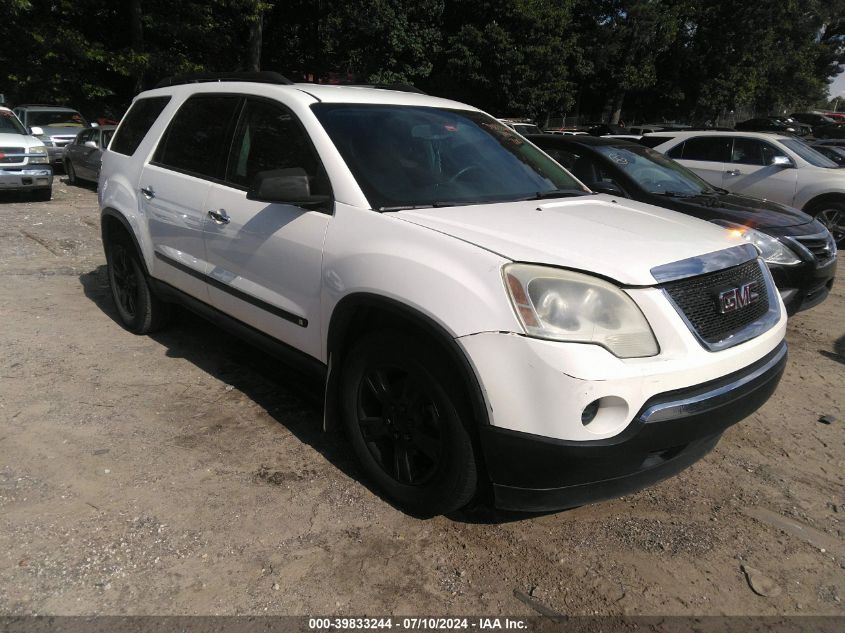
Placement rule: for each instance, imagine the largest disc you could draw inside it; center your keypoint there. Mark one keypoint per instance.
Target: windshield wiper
(675, 194)
(406, 207)
(558, 193)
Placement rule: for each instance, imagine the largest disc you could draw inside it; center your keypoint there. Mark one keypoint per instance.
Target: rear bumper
(672, 431)
(40, 177)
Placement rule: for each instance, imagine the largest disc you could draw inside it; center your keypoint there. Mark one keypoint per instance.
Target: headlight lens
(562, 305)
(772, 251)
(37, 154)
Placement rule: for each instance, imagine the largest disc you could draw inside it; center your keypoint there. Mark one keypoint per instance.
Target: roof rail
(398, 87)
(263, 77)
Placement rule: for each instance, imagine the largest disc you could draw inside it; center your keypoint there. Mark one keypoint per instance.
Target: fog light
(589, 412)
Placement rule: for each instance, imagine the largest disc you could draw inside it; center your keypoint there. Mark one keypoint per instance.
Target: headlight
(37, 154)
(561, 305)
(772, 251)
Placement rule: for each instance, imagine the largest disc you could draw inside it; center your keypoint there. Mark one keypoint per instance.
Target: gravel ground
(183, 473)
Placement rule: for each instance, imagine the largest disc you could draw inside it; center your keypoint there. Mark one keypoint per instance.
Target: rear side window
(136, 123)
(194, 142)
(654, 141)
(715, 149)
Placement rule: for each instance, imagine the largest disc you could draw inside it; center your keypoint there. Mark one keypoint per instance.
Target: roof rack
(263, 77)
(398, 87)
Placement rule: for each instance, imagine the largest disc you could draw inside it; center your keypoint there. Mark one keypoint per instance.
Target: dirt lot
(184, 474)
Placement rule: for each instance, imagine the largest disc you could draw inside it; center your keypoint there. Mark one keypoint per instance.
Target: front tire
(832, 215)
(71, 173)
(404, 417)
(139, 309)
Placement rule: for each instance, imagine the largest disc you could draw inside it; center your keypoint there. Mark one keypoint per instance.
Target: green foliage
(687, 58)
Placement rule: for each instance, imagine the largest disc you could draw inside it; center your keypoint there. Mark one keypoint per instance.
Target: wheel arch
(836, 196)
(359, 313)
(113, 221)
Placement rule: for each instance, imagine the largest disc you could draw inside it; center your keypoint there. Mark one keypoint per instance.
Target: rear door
(264, 258)
(705, 155)
(751, 171)
(175, 184)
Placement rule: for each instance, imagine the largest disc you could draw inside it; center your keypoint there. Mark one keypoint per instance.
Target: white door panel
(173, 205)
(712, 172)
(265, 266)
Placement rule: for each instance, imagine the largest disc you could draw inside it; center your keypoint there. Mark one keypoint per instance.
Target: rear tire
(139, 309)
(405, 418)
(832, 215)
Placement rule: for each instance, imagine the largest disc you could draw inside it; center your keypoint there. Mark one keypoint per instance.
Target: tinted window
(422, 156)
(269, 137)
(9, 124)
(676, 152)
(56, 118)
(750, 151)
(136, 123)
(196, 138)
(716, 149)
(654, 141)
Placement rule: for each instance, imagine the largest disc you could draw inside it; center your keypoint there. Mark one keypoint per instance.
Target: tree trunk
(616, 113)
(256, 27)
(136, 42)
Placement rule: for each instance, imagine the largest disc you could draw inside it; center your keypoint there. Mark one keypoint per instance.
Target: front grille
(698, 299)
(61, 141)
(822, 246)
(11, 154)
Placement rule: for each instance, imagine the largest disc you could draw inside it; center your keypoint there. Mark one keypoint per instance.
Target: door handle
(148, 192)
(220, 217)
(733, 172)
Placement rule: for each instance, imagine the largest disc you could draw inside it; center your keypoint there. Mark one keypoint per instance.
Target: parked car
(83, 156)
(639, 130)
(774, 124)
(476, 312)
(813, 119)
(800, 252)
(833, 152)
(834, 130)
(775, 167)
(24, 165)
(59, 126)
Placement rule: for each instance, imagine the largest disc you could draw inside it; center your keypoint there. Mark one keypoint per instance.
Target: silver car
(84, 155)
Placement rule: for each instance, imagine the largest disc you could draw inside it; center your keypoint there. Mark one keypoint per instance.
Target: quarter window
(136, 123)
(269, 137)
(195, 141)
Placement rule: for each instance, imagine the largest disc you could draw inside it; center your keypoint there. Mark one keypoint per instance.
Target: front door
(705, 155)
(752, 173)
(265, 258)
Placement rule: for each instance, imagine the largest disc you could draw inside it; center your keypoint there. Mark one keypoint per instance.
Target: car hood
(753, 212)
(618, 239)
(18, 140)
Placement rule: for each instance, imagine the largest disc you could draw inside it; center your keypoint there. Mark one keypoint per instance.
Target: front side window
(136, 123)
(405, 156)
(714, 149)
(750, 151)
(195, 141)
(268, 137)
(9, 124)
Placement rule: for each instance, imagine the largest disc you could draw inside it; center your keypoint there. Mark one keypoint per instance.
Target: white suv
(479, 316)
(776, 167)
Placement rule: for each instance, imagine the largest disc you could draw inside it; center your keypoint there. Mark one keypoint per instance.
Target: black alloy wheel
(138, 308)
(408, 422)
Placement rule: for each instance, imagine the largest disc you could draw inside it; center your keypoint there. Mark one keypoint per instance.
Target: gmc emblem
(738, 298)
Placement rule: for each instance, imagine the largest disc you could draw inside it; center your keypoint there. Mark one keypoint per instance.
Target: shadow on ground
(267, 382)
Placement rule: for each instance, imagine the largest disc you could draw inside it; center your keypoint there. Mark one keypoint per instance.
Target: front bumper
(17, 178)
(805, 286)
(671, 431)
(56, 154)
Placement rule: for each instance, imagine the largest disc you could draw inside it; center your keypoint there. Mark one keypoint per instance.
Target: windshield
(808, 153)
(9, 123)
(55, 118)
(411, 156)
(653, 171)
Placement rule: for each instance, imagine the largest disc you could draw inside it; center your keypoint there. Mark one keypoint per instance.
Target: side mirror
(36, 131)
(285, 186)
(781, 161)
(608, 187)
(92, 144)
(94, 124)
